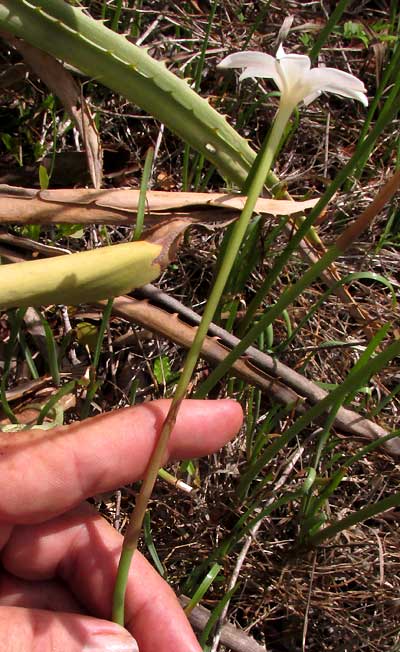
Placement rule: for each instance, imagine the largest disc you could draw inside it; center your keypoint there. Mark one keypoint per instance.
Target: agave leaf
(82, 277)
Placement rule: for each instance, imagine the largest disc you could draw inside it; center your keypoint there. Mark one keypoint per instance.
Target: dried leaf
(80, 205)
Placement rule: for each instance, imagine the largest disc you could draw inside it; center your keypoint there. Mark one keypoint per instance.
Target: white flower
(295, 78)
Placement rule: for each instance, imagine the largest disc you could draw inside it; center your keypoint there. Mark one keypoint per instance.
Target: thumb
(47, 631)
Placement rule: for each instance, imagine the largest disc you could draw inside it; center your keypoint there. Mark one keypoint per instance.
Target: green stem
(95, 384)
(63, 391)
(141, 209)
(15, 322)
(135, 525)
(100, 336)
(363, 150)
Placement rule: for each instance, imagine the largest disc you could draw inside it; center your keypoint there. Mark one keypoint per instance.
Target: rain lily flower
(293, 75)
(297, 81)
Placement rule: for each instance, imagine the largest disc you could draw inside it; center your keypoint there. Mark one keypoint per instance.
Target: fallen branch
(257, 368)
(232, 637)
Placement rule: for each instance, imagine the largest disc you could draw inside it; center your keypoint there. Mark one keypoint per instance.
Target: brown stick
(260, 369)
(29, 206)
(232, 637)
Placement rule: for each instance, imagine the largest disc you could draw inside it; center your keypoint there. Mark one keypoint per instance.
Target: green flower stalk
(134, 528)
(292, 74)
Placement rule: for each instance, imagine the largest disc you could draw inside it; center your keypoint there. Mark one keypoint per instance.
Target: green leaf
(149, 541)
(162, 370)
(43, 178)
(203, 588)
(70, 231)
(86, 334)
(355, 30)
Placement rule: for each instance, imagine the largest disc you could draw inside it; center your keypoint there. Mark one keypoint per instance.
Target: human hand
(60, 557)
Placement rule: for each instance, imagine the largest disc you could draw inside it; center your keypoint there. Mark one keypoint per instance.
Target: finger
(44, 631)
(50, 595)
(61, 467)
(83, 550)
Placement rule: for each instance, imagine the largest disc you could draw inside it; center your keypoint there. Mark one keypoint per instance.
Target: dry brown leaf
(82, 205)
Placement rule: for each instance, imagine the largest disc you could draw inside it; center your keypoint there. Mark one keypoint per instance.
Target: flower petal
(293, 75)
(338, 77)
(280, 52)
(330, 78)
(254, 64)
(348, 92)
(298, 62)
(258, 71)
(253, 72)
(311, 97)
(247, 59)
(294, 66)
(293, 70)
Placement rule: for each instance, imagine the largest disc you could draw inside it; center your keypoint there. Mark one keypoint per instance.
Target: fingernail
(111, 642)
